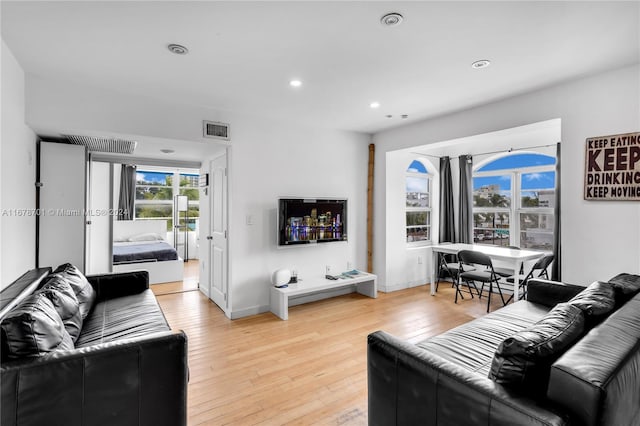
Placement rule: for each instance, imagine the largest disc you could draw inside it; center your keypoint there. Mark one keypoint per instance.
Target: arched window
(513, 201)
(418, 202)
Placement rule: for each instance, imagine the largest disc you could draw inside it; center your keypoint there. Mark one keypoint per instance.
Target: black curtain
(447, 219)
(127, 192)
(556, 269)
(465, 216)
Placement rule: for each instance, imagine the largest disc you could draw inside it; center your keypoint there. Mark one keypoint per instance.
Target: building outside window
(155, 191)
(513, 201)
(418, 203)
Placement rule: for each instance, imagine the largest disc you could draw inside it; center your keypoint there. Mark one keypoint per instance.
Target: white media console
(279, 297)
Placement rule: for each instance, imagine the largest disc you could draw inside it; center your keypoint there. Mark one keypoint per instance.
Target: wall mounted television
(311, 220)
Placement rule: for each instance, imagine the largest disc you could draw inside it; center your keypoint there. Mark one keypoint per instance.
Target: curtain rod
(492, 152)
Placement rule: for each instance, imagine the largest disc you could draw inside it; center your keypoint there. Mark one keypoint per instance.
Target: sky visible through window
(157, 178)
(542, 180)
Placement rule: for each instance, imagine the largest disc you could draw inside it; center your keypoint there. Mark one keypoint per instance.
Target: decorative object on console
(281, 277)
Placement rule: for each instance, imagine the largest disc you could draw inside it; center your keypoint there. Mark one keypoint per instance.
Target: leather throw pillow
(626, 286)
(64, 300)
(596, 300)
(524, 359)
(34, 328)
(84, 292)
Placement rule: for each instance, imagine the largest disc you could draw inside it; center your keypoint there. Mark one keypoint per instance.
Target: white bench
(279, 297)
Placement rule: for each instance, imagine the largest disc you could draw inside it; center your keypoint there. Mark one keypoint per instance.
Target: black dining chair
(541, 265)
(485, 275)
(449, 269)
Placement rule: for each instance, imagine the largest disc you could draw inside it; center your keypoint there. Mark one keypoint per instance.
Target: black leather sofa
(125, 367)
(581, 360)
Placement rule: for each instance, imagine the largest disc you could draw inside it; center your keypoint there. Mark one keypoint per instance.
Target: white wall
(406, 264)
(599, 239)
(268, 159)
(17, 168)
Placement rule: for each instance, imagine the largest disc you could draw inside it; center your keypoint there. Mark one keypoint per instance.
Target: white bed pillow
(150, 236)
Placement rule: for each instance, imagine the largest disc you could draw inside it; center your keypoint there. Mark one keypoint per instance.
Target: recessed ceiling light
(295, 83)
(374, 104)
(391, 19)
(177, 49)
(167, 151)
(403, 116)
(389, 116)
(482, 63)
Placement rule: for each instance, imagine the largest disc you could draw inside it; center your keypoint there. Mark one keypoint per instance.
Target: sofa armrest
(110, 286)
(141, 381)
(408, 385)
(550, 293)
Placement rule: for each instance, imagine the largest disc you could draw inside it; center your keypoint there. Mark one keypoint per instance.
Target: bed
(141, 244)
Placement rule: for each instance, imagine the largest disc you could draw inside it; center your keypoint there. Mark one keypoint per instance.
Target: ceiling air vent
(215, 130)
(101, 144)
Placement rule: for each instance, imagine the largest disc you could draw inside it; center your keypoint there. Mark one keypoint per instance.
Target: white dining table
(513, 256)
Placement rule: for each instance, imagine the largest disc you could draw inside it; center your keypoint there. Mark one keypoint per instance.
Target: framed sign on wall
(612, 167)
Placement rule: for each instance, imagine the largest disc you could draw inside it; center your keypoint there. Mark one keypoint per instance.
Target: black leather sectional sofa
(93, 350)
(568, 355)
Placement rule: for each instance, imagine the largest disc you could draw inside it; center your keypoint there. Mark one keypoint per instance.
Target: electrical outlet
(327, 269)
(349, 266)
(419, 260)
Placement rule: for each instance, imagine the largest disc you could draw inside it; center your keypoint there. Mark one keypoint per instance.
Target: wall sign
(612, 167)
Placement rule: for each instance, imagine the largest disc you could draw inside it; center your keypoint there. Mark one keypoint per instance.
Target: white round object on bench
(281, 277)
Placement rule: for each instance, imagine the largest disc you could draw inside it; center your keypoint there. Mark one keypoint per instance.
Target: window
(418, 203)
(154, 196)
(513, 201)
(189, 187)
(155, 191)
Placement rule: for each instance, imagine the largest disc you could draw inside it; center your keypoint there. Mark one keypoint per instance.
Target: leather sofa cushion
(64, 300)
(472, 345)
(121, 318)
(524, 359)
(34, 328)
(596, 301)
(84, 292)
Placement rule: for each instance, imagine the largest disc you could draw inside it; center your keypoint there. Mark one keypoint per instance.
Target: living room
(271, 157)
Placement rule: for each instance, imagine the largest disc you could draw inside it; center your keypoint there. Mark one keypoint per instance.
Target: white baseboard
(401, 286)
(246, 312)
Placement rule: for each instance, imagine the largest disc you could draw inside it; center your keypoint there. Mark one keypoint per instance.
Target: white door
(61, 235)
(218, 232)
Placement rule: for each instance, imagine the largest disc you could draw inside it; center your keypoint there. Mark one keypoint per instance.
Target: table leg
(516, 280)
(279, 304)
(368, 288)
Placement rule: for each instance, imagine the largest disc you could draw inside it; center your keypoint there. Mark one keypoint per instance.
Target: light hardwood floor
(190, 280)
(309, 370)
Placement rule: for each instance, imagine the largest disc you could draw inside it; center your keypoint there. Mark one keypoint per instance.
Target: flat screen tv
(311, 220)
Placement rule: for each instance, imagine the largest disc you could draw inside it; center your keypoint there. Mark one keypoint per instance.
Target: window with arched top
(513, 201)
(418, 202)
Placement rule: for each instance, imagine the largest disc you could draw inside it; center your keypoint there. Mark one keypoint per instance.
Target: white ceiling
(243, 54)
